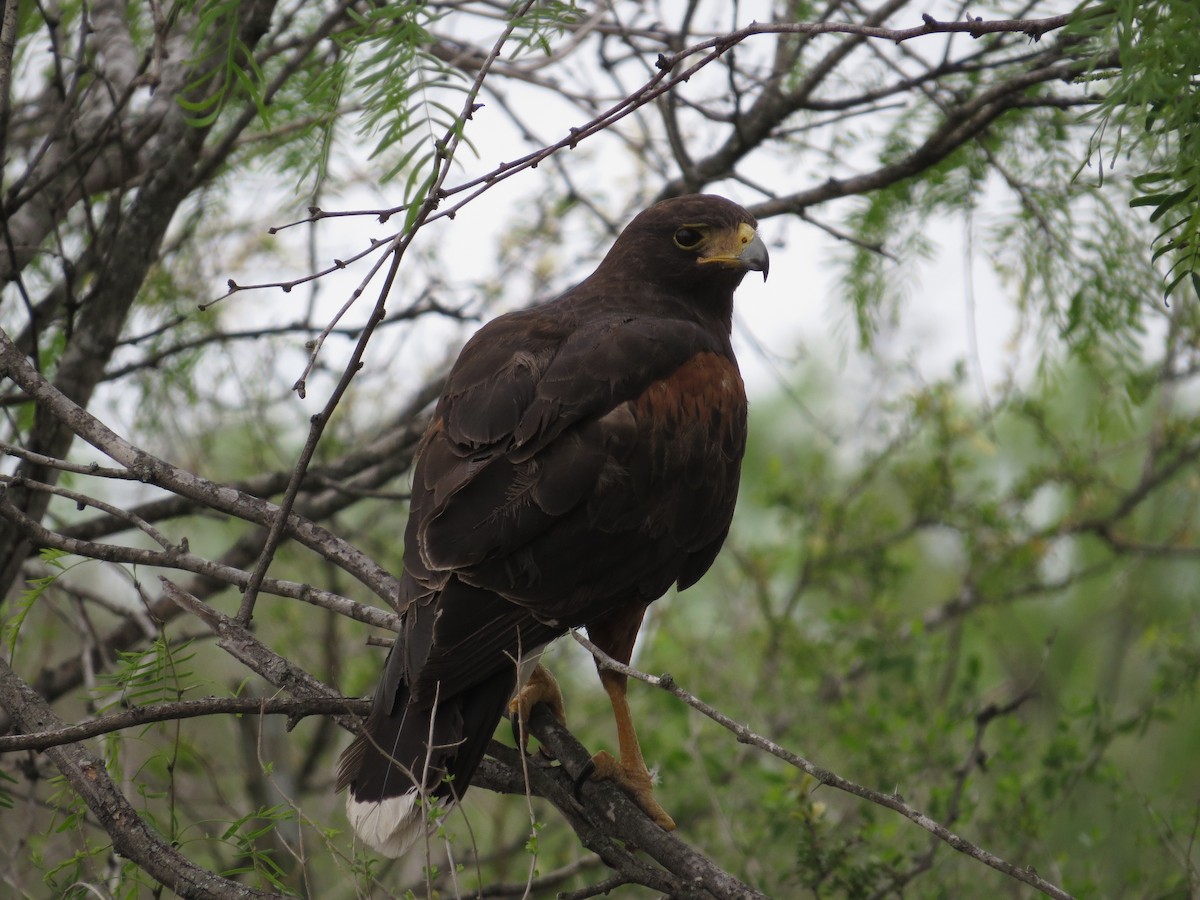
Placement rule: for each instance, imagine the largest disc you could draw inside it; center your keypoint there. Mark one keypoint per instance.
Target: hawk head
(700, 244)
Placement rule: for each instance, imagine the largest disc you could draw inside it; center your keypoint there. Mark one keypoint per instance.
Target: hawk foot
(540, 688)
(633, 780)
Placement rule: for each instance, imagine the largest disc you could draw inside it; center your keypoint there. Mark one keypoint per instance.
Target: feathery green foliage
(25, 602)
(1151, 111)
(229, 68)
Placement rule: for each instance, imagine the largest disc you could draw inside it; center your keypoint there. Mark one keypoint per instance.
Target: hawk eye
(687, 238)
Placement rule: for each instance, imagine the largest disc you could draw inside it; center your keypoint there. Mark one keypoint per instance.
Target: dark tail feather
(407, 752)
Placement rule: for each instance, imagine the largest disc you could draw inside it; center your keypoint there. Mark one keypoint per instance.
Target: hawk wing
(598, 460)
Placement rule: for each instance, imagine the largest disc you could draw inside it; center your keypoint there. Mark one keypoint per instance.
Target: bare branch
(294, 709)
(257, 656)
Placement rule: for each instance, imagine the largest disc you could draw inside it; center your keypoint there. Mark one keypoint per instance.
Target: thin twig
(294, 709)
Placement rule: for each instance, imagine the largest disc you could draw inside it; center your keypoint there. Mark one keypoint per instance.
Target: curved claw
(633, 778)
(585, 774)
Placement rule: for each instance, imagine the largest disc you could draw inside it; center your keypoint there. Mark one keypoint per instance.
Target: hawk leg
(615, 635)
(540, 688)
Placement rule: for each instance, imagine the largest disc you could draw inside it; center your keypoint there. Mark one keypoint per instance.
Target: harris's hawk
(583, 458)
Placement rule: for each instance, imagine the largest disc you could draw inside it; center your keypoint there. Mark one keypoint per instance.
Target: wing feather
(514, 453)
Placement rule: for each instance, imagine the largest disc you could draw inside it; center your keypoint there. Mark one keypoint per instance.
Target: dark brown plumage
(584, 457)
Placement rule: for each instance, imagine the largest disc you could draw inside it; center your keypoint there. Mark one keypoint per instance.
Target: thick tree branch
(608, 822)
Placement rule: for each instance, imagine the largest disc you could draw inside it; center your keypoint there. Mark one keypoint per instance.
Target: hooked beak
(743, 250)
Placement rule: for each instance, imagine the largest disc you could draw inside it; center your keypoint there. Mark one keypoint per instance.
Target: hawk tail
(413, 758)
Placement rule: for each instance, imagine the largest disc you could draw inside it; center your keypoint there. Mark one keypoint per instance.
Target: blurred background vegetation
(965, 566)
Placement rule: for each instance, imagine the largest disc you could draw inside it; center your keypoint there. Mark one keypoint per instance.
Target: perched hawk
(584, 457)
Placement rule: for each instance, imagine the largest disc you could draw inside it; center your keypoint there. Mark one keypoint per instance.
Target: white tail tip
(390, 826)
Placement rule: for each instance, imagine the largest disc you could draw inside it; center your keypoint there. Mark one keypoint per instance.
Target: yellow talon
(540, 688)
